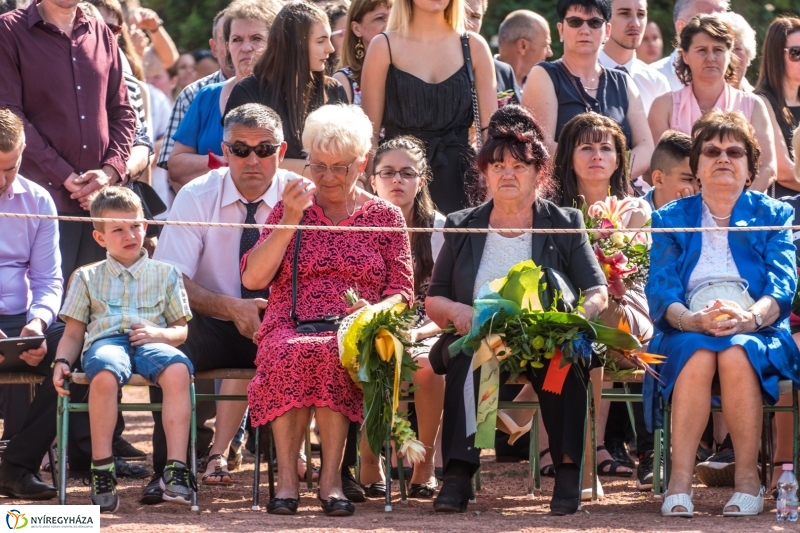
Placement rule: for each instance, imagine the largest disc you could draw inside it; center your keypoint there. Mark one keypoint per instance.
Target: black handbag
(314, 325)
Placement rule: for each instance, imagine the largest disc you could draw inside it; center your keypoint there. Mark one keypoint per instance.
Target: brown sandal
(220, 471)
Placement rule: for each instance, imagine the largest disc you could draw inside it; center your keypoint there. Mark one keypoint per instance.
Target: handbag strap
(571, 79)
(475, 109)
(297, 237)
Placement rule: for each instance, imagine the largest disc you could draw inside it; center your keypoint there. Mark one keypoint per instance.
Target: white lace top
(716, 260)
(500, 254)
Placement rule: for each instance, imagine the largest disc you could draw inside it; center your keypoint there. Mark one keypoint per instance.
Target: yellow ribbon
(488, 388)
(388, 346)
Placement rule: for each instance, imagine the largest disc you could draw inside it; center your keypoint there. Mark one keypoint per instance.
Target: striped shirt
(141, 136)
(110, 298)
(179, 111)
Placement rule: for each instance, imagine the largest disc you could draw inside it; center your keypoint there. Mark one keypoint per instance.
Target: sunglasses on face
(733, 152)
(576, 22)
(262, 150)
(794, 53)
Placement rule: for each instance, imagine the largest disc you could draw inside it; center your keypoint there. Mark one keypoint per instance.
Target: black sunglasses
(794, 53)
(576, 22)
(262, 150)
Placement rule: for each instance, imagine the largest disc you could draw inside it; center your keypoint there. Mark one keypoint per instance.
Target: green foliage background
(189, 21)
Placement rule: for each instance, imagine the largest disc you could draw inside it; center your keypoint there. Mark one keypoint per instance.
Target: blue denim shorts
(116, 355)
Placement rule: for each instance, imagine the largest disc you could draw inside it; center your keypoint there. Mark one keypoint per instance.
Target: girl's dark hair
(587, 6)
(718, 124)
(513, 131)
(773, 63)
(422, 211)
(587, 128)
(715, 28)
(284, 72)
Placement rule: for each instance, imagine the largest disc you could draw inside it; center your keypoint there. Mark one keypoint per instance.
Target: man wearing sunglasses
(225, 314)
(682, 13)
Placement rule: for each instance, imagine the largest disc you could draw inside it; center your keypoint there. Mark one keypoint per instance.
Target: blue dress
(201, 127)
(766, 259)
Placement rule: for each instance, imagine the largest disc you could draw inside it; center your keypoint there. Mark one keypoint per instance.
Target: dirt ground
(502, 505)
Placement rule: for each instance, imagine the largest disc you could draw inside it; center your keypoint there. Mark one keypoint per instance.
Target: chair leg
(270, 458)
(592, 411)
(667, 444)
(62, 431)
(193, 444)
(533, 456)
(629, 405)
(401, 474)
(257, 470)
(309, 463)
(388, 506)
(766, 450)
(657, 451)
(795, 432)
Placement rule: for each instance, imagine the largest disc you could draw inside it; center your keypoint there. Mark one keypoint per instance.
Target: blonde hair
(12, 131)
(338, 130)
(796, 148)
(114, 199)
(403, 10)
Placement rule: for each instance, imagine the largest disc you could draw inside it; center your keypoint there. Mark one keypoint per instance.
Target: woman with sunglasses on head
(290, 76)
(298, 370)
(707, 67)
(779, 84)
(720, 302)
(410, 88)
(577, 83)
(401, 177)
(246, 25)
(365, 20)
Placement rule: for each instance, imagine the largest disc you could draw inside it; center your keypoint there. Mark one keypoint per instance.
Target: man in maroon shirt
(61, 74)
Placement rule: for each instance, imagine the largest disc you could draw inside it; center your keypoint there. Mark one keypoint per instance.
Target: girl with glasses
(779, 84)
(577, 83)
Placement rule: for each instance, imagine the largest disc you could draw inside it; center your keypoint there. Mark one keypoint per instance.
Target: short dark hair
(715, 28)
(671, 150)
(587, 128)
(720, 124)
(587, 6)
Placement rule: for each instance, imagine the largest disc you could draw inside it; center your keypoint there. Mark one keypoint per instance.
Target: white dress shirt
(210, 256)
(666, 67)
(650, 82)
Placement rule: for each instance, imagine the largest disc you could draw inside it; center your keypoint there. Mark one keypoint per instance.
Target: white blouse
(500, 254)
(716, 260)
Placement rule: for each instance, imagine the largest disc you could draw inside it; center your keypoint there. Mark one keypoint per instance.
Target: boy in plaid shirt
(126, 315)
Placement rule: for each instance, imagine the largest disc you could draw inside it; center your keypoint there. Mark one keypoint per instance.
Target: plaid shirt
(179, 111)
(110, 298)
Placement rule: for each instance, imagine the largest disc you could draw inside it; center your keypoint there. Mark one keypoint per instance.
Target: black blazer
(506, 81)
(458, 261)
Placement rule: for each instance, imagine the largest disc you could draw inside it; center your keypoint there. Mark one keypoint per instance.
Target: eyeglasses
(406, 173)
(262, 150)
(338, 171)
(794, 53)
(733, 152)
(576, 22)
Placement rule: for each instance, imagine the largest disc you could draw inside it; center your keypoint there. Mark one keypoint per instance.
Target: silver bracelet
(680, 316)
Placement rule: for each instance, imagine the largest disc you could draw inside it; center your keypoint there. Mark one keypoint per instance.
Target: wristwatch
(758, 318)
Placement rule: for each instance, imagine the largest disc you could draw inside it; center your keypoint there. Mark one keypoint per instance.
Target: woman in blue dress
(710, 326)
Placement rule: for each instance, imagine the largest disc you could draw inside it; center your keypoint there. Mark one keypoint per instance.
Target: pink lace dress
(303, 369)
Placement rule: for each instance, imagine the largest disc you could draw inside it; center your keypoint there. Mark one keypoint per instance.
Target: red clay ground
(502, 506)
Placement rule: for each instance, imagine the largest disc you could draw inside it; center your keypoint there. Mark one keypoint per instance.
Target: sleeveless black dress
(440, 115)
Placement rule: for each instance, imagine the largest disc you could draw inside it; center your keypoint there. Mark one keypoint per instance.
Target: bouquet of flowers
(504, 97)
(373, 347)
(511, 332)
(623, 256)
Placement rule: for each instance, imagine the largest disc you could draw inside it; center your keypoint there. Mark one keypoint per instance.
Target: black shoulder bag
(476, 111)
(314, 325)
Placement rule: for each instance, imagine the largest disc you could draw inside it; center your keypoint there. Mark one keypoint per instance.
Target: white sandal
(748, 505)
(678, 500)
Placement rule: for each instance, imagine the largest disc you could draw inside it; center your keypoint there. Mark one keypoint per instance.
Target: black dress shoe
(124, 469)
(350, 487)
(567, 490)
(21, 483)
(453, 496)
(282, 506)
(618, 452)
(375, 490)
(337, 507)
(125, 450)
(152, 494)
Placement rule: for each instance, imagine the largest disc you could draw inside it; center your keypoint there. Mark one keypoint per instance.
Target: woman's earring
(561, 39)
(360, 50)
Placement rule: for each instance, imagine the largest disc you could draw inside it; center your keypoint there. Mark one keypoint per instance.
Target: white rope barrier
(394, 229)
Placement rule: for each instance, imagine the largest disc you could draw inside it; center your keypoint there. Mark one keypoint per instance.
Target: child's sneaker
(177, 482)
(104, 490)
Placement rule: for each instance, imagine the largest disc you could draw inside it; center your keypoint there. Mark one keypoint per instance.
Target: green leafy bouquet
(373, 347)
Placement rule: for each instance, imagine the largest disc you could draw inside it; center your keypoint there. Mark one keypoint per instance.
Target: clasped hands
(84, 187)
(721, 318)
